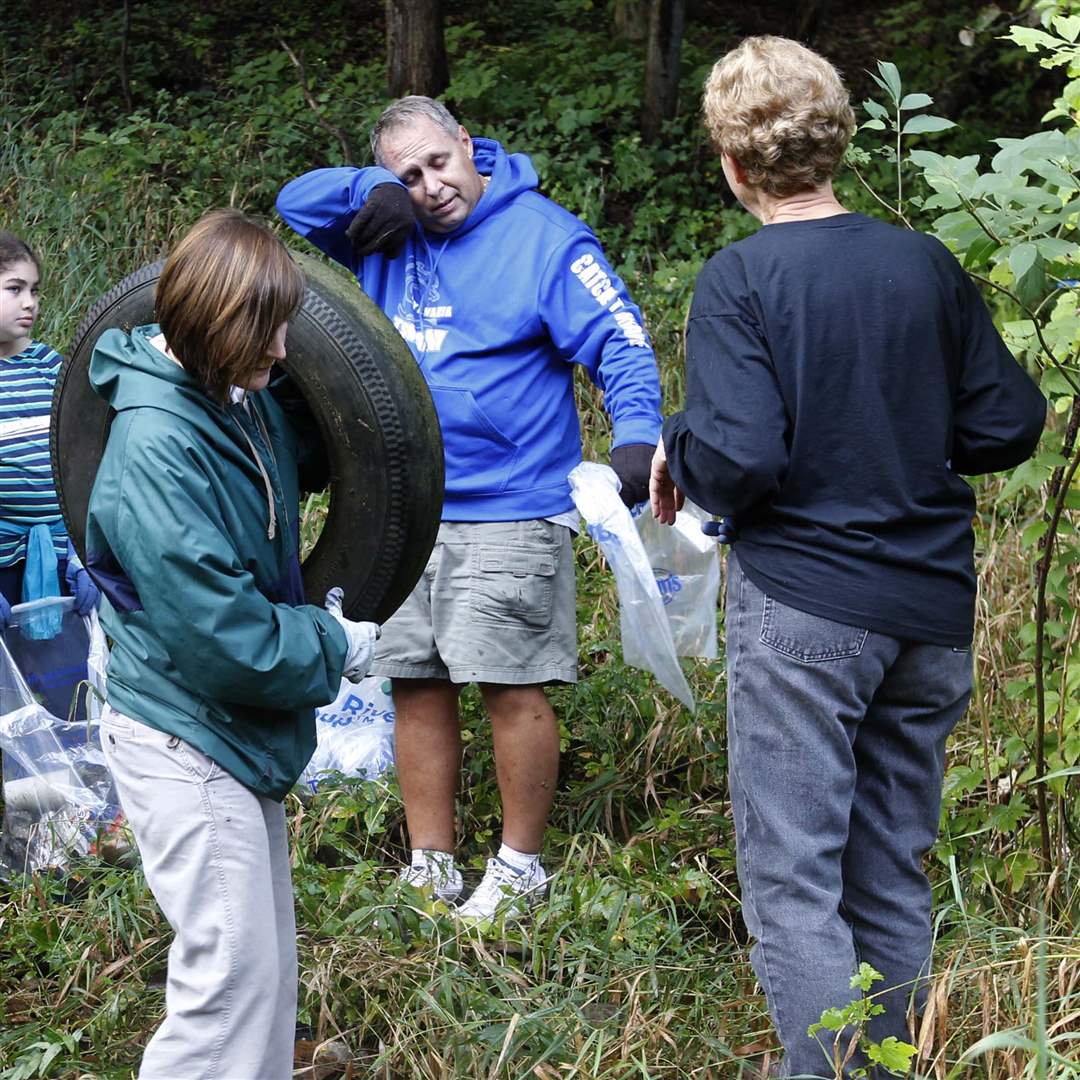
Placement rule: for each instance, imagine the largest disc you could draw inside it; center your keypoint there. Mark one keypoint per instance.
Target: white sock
(443, 861)
(518, 861)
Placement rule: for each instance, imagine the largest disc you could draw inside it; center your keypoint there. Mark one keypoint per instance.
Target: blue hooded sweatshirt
(496, 313)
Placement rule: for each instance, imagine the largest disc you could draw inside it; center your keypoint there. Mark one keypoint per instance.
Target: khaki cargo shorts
(495, 604)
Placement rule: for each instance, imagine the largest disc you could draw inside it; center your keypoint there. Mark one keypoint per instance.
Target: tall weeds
(637, 966)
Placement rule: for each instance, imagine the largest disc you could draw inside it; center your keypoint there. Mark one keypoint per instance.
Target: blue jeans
(836, 759)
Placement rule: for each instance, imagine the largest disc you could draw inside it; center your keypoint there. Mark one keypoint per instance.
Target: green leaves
(888, 78)
(848, 1022)
(921, 125)
(1033, 39)
(916, 101)
(882, 118)
(892, 1055)
(865, 977)
(1022, 258)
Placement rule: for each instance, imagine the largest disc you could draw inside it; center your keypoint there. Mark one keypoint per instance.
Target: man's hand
(631, 465)
(665, 497)
(384, 223)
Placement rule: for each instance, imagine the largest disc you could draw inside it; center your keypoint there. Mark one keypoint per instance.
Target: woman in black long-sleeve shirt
(842, 374)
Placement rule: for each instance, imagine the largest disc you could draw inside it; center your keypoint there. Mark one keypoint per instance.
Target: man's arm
(322, 204)
(592, 321)
(728, 450)
(999, 412)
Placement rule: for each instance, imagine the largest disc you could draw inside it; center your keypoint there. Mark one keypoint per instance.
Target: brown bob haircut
(224, 290)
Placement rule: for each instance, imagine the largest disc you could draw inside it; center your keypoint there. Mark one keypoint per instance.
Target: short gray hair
(406, 110)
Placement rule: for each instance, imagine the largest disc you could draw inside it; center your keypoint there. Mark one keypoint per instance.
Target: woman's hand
(361, 637)
(665, 497)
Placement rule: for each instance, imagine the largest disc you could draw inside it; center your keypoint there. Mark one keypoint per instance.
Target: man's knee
(416, 698)
(506, 700)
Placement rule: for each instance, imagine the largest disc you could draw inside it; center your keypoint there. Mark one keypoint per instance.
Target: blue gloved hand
(80, 584)
(5, 611)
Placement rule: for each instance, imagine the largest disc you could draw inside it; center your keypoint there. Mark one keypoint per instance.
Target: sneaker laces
(504, 887)
(441, 876)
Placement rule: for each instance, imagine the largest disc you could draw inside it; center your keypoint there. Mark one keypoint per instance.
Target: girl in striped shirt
(35, 554)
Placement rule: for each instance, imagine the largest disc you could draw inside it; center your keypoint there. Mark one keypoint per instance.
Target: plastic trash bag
(647, 640)
(355, 733)
(58, 794)
(686, 565)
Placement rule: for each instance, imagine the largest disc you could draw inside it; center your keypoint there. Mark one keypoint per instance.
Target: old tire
(373, 409)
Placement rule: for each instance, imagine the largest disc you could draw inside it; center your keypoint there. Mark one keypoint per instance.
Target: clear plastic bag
(58, 794)
(686, 565)
(647, 639)
(355, 733)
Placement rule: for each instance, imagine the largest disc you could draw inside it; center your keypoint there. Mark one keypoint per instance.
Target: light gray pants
(216, 858)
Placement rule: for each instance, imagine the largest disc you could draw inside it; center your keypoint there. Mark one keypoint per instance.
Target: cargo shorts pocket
(808, 638)
(514, 585)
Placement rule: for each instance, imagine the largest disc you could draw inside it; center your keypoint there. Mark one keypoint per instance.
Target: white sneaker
(505, 893)
(438, 879)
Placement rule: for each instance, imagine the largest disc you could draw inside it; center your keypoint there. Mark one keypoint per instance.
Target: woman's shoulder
(151, 445)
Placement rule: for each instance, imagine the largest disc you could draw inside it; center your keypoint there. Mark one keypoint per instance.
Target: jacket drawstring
(434, 264)
(271, 530)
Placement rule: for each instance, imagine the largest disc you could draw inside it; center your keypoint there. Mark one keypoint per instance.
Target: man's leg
(798, 689)
(510, 627)
(900, 756)
(526, 739)
(427, 747)
(426, 737)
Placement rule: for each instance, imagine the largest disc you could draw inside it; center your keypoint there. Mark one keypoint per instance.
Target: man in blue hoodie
(499, 292)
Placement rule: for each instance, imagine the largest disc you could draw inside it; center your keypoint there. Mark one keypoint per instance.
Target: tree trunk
(415, 47)
(632, 19)
(661, 95)
(811, 20)
(125, 75)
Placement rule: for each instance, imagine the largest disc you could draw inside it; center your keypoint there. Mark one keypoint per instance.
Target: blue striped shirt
(27, 492)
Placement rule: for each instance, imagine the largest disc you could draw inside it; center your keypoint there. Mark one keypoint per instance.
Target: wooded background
(121, 123)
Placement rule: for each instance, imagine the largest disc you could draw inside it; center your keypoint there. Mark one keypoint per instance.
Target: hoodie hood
(511, 175)
(130, 373)
(127, 371)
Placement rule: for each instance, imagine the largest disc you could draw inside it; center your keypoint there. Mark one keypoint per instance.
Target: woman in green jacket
(217, 662)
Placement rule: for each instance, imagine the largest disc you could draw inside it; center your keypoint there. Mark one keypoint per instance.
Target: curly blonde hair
(781, 111)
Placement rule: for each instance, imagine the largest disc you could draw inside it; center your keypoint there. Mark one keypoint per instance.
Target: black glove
(725, 530)
(632, 464)
(384, 223)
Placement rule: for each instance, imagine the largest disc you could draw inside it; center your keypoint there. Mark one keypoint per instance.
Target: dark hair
(13, 250)
(224, 290)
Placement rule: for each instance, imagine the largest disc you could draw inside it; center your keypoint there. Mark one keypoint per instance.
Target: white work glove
(361, 636)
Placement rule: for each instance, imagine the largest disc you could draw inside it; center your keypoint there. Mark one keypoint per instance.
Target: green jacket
(212, 640)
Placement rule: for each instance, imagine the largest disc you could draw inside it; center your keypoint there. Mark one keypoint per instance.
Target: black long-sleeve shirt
(841, 374)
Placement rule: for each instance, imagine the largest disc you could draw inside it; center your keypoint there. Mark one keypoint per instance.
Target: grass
(636, 968)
